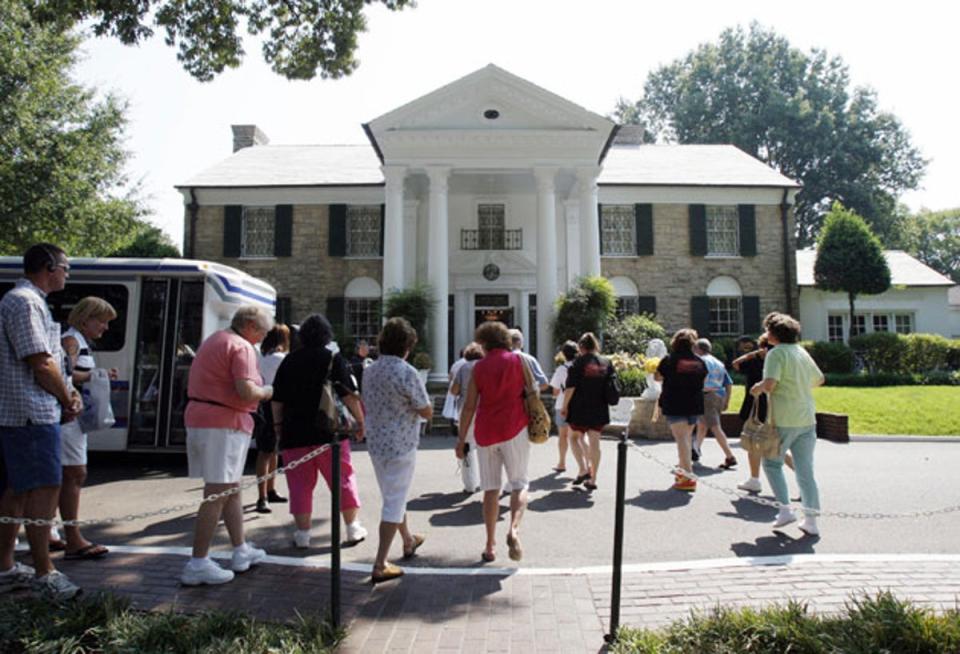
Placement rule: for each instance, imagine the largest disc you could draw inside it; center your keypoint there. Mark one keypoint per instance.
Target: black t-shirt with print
(683, 374)
(588, 406)
(298, 385)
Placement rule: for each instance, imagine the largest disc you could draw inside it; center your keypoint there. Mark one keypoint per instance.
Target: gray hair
(249, 313)
(516, 338)
(703, 344)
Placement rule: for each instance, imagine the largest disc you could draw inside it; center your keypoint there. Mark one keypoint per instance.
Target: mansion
(499, 194)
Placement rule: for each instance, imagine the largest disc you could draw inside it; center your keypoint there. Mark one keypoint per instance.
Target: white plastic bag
(470, 465)
(97, 411)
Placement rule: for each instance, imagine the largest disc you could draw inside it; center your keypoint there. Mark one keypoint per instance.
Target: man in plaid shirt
(34, 398)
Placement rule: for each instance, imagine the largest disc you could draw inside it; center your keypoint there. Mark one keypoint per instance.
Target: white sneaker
(355, 532)
(809, 526)
(204, 572)
(751, 485)
(301, 539)
(17, 577)
(784, 518)
(55, 585)
(245, 556)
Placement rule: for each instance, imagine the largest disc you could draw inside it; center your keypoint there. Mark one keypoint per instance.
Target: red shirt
(222, 358)
(500, 411)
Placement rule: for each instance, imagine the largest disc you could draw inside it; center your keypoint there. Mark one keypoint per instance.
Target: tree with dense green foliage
(933, 237)
(417, 305)
(301, 38)
(793, 110)
(149, 241)
(633, 333)
(588, 306)
(849, 258)
(61, 148)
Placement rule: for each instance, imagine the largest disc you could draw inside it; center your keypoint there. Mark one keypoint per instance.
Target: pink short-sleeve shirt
(221, 359)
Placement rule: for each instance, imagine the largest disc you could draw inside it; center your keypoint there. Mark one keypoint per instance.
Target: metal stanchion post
(335, 534)
(618, 538)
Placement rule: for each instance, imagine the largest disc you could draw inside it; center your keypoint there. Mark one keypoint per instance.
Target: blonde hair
(90, 307)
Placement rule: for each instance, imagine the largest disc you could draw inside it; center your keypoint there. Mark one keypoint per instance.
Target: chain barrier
(762, 501)
(132, 517)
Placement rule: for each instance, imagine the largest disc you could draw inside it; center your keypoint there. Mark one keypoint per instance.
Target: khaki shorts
(712, 407)
(216, 455)
(512, 455)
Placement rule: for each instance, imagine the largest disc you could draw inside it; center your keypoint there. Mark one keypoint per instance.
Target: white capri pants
(512, 455)
(394, 476)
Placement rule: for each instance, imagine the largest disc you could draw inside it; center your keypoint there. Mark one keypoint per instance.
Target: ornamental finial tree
(849, 258)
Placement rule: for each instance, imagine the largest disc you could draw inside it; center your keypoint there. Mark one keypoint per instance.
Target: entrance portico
(489, 181)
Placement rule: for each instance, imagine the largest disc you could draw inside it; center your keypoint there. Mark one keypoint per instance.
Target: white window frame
(894, 322)
(623, 230)
(262, 219)
(369, 328)
(833, 336)
(722, 220)
(737, 323)
(357, 215)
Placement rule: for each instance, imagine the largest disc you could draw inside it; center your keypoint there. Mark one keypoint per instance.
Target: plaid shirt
(26, 327)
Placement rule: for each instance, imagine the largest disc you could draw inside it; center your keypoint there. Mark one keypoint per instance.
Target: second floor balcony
(491, 239)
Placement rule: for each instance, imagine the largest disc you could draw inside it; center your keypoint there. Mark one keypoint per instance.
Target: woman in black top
(681, 400)
(585, 405)
(298, 386)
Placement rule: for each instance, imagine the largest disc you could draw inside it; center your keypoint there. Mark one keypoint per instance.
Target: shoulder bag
(538, 428)
(761, 437)
(333, 417)
(611, 387)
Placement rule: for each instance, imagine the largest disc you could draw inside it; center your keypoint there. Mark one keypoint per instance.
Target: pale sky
(589, 52)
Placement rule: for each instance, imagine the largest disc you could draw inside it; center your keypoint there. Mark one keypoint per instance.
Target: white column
(546, 262)
(589, 221)
(438, 269)
(571, 209)
(411, 217)
(393, 253)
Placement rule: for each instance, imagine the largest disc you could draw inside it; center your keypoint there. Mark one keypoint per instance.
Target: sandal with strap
(389, 572)
(417, 542)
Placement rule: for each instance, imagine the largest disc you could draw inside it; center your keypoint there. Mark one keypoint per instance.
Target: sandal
(729, 462)
(516, 550)
(559, 469)
(389, 572)
(590, 486)
(412, 552)
(58, 545)
(580, 479)
(89, 552)
(487, 557)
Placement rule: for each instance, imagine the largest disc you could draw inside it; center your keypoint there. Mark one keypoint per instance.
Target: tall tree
(301, 37)
(794, 110)
(934, 238)
(61, 153)
(148, 241)
(849, 258)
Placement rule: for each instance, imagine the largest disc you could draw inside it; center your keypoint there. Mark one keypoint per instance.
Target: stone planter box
(641, 424)
(833, 427)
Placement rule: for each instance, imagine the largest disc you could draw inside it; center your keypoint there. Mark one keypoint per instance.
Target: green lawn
(921, 410)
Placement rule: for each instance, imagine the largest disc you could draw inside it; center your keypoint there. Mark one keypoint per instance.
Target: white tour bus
(165, 308)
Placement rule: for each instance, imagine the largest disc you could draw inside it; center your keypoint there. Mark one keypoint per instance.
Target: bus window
(63, 301)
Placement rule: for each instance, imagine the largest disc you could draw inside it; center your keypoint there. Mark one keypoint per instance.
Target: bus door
(169, 333)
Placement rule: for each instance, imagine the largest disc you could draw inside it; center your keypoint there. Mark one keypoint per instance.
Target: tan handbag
(761, 437)
(538, 428)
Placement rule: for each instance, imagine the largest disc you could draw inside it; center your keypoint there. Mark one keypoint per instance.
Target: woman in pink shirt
(495, 400)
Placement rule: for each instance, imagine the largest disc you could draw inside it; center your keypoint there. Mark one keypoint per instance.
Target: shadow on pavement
(559, 500)
(744, 509)
(778, 544)
(661, 500)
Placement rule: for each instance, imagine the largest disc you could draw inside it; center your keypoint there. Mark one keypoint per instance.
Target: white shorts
(394, 476)
(512, 455)
(73, 444)
(216, 455)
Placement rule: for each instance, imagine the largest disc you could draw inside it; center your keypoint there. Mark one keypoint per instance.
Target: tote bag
(538, 427)
(761, 437)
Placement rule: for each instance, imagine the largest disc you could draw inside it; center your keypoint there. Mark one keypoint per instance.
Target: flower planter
(641, 423)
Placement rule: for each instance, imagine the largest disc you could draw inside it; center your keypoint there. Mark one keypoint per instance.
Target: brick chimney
(246, 135)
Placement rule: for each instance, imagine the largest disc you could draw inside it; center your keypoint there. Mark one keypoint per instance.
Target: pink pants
(303, 479)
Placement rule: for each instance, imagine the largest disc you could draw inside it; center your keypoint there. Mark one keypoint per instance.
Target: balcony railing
(487, 239)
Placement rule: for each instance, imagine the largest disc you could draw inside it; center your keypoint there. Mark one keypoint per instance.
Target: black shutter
(337, 247)
(283, 230)
(698, 230)
(600, 225)
(643, 213)
(284, 312)
(336, 310)
(700, 315)
(748, 230)
(647, 304)
(383, 220)
(232, 230)
(751, 314)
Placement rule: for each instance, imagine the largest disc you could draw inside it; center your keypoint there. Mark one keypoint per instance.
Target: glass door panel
(189, 329)
(147, 377)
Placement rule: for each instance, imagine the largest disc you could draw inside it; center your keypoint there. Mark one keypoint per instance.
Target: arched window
(726, 306)
(628, 297)
(362, 317)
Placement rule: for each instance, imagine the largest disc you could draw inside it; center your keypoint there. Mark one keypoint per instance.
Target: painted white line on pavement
(665, 566)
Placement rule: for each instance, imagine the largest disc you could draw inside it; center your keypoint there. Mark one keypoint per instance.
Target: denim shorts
(31, 457)
(690, 420)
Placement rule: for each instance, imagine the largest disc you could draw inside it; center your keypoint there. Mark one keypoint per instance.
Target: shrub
(587, 307)
(724, 349)
(421, 361)
(881, 351)
(953, 355)
(416, 304)
(632, 382)
(632, 334)
(875, 379)
(924, 352)
(830, 357)
(941, 378)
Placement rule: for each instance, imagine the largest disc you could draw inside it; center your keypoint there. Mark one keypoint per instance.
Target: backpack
(611, 387)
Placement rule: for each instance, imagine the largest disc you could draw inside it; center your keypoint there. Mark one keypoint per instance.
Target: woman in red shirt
(495, 400)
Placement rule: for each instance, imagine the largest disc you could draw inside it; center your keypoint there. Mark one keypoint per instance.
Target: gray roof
(346, 165)
(904, 270)
(688, 165)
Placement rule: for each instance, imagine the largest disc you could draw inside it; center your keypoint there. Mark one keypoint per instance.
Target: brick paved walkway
(520, 611)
